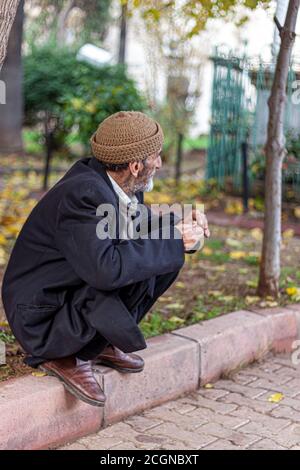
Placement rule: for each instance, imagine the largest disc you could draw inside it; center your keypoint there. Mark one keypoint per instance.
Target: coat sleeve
(108, 264)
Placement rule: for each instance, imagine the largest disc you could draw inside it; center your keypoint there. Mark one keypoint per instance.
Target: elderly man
(74, 299)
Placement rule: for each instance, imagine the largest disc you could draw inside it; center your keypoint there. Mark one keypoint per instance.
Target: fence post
(245, 182)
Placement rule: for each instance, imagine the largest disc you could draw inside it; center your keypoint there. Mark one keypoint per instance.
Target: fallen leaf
(243, 271)
(268, 303)
(252, 299)
(174, 306)
(175, 319)
(297, 212)
(289, 233)
(165, 299)
(209, 386)
(237, 254)
(257, 233)
(226, 298)
(233, 243)
(180, 285)
(3, 240)
(221, 268)
(215, 293)
(291, 291)
(276, 397)
(252, 283)
(38, 374)
(255, 254)
(207, 251)
(198, 316)
(234, 207)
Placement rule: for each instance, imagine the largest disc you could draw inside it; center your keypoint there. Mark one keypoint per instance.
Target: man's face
(144, 179)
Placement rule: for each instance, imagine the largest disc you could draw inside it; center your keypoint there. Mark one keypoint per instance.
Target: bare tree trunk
(275, 152)
(11, 117)
(62, 20)
(8, 9)
(123, 35)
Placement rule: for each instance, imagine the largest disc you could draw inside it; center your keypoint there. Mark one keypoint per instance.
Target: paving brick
(294, 403)
(264, 444)
(287, 437)
(218, 407)
(282, 411)
(141, 423)
(266, 385)
(212, 394)
(124, 446)
(190, 421)
(274, 424)
(286, 361)
(74, 446)
(221, 444)
(277, 377)
(250, 390)
(195, 441)
(104, 443)
(231, 422)
(255, 405)
(237, 438)
(242, 379)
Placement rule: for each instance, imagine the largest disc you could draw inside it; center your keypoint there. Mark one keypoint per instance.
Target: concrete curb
(37, 413)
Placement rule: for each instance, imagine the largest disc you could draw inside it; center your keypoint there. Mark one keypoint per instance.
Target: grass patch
(6, 336)
(196, 143)
(32, 141)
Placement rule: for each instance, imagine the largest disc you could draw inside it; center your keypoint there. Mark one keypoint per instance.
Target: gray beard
(145, 187)
(149, 185)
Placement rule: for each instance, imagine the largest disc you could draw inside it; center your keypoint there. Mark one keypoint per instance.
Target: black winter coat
(61, 283)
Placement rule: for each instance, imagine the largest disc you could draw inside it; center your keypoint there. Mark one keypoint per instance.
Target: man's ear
(135, 168)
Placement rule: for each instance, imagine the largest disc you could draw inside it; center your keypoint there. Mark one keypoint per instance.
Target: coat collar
(99, 168)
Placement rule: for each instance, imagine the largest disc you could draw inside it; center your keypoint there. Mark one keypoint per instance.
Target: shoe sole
(119, 369)
(74, 391)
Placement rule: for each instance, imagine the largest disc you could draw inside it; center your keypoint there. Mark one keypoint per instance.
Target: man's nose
(158, 163)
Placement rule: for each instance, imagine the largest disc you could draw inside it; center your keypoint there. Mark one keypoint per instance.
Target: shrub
(70, 96)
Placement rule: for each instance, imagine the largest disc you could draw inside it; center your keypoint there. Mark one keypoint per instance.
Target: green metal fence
(241, 87)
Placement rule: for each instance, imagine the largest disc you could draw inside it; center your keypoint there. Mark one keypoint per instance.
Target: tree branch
(279, 27)
(8, 9)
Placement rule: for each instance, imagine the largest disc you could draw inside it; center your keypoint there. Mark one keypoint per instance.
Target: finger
(201, 219)
(204, 224)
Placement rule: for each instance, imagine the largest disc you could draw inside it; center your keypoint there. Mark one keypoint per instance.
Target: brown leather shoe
(113, 357)
(77, 377)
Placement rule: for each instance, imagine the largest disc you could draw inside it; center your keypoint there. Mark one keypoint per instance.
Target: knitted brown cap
(126, 136)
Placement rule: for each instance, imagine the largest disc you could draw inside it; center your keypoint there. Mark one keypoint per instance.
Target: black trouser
(138, 301)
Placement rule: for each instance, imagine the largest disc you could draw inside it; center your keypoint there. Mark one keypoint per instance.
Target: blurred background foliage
(73, 97)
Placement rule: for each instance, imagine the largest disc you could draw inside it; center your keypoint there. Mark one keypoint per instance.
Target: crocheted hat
(126, 136)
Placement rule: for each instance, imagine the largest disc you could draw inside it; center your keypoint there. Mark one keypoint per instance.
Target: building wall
(255, 37)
